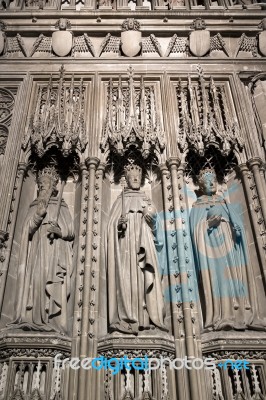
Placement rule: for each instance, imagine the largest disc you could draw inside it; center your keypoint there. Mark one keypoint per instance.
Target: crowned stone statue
(45, 270)
(134, 240)
(227, 284)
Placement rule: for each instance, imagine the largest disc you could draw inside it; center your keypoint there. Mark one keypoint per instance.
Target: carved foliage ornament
(6, 107)
(58, 119)
(206, 118)
(132, 118)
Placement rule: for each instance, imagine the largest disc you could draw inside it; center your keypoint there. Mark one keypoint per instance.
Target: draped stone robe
(135, 299)
(227, 281)
(45, 271)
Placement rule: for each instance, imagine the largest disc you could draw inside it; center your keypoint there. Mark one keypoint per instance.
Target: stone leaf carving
(110, 44)
(131, 38)
(177, 45)
(14, 45)
(42, 44)
(247, 44)
(83, 44)
(151, 45)
(217, 43)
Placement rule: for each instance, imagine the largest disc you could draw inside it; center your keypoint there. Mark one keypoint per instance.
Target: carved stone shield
(199, 42)
(131, 42)
(262, 43)
(62, 43)
(2, 42)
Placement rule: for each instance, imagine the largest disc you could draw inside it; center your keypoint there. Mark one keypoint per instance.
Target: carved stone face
(62, 24)
(198, 24)
(134, 179)
(44, 185)
(209, 184)
(130, 23)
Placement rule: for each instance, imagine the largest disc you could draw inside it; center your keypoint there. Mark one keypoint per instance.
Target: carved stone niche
(231, 265)
(27, 369)
(119, 198)
(139, 384)
(43, 259)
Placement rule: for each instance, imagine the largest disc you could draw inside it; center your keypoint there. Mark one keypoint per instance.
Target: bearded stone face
(134, 179)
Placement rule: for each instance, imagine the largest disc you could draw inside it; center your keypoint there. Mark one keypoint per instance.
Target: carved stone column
(253, 218)
(79, 283)
(91, 387)
(178, 323)
(255, 163)
(182, 231)
(5, 257)
(84, 375)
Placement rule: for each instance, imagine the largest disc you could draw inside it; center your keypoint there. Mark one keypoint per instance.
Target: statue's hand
(41, 208)
(237, 230)
(150, 219)
(150, 214)
(122, 223)
(54, 231)
(214, 221)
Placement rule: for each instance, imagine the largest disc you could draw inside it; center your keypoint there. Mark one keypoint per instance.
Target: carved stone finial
(198, 24)
(63, 24)
(130, 24)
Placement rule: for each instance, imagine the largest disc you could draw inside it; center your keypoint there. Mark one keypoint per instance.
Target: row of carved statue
(135, 260)
(130, 43)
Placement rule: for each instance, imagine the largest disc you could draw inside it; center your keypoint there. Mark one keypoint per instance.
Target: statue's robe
(135, 299)
(227, 281)
(45, 271)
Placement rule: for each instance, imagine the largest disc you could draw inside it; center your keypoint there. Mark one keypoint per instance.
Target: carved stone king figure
(134, 239)
(45, 261)
(227, 286)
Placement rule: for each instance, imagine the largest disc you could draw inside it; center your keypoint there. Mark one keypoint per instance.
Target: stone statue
(221, 258)
(134, 239)
(45, 269)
